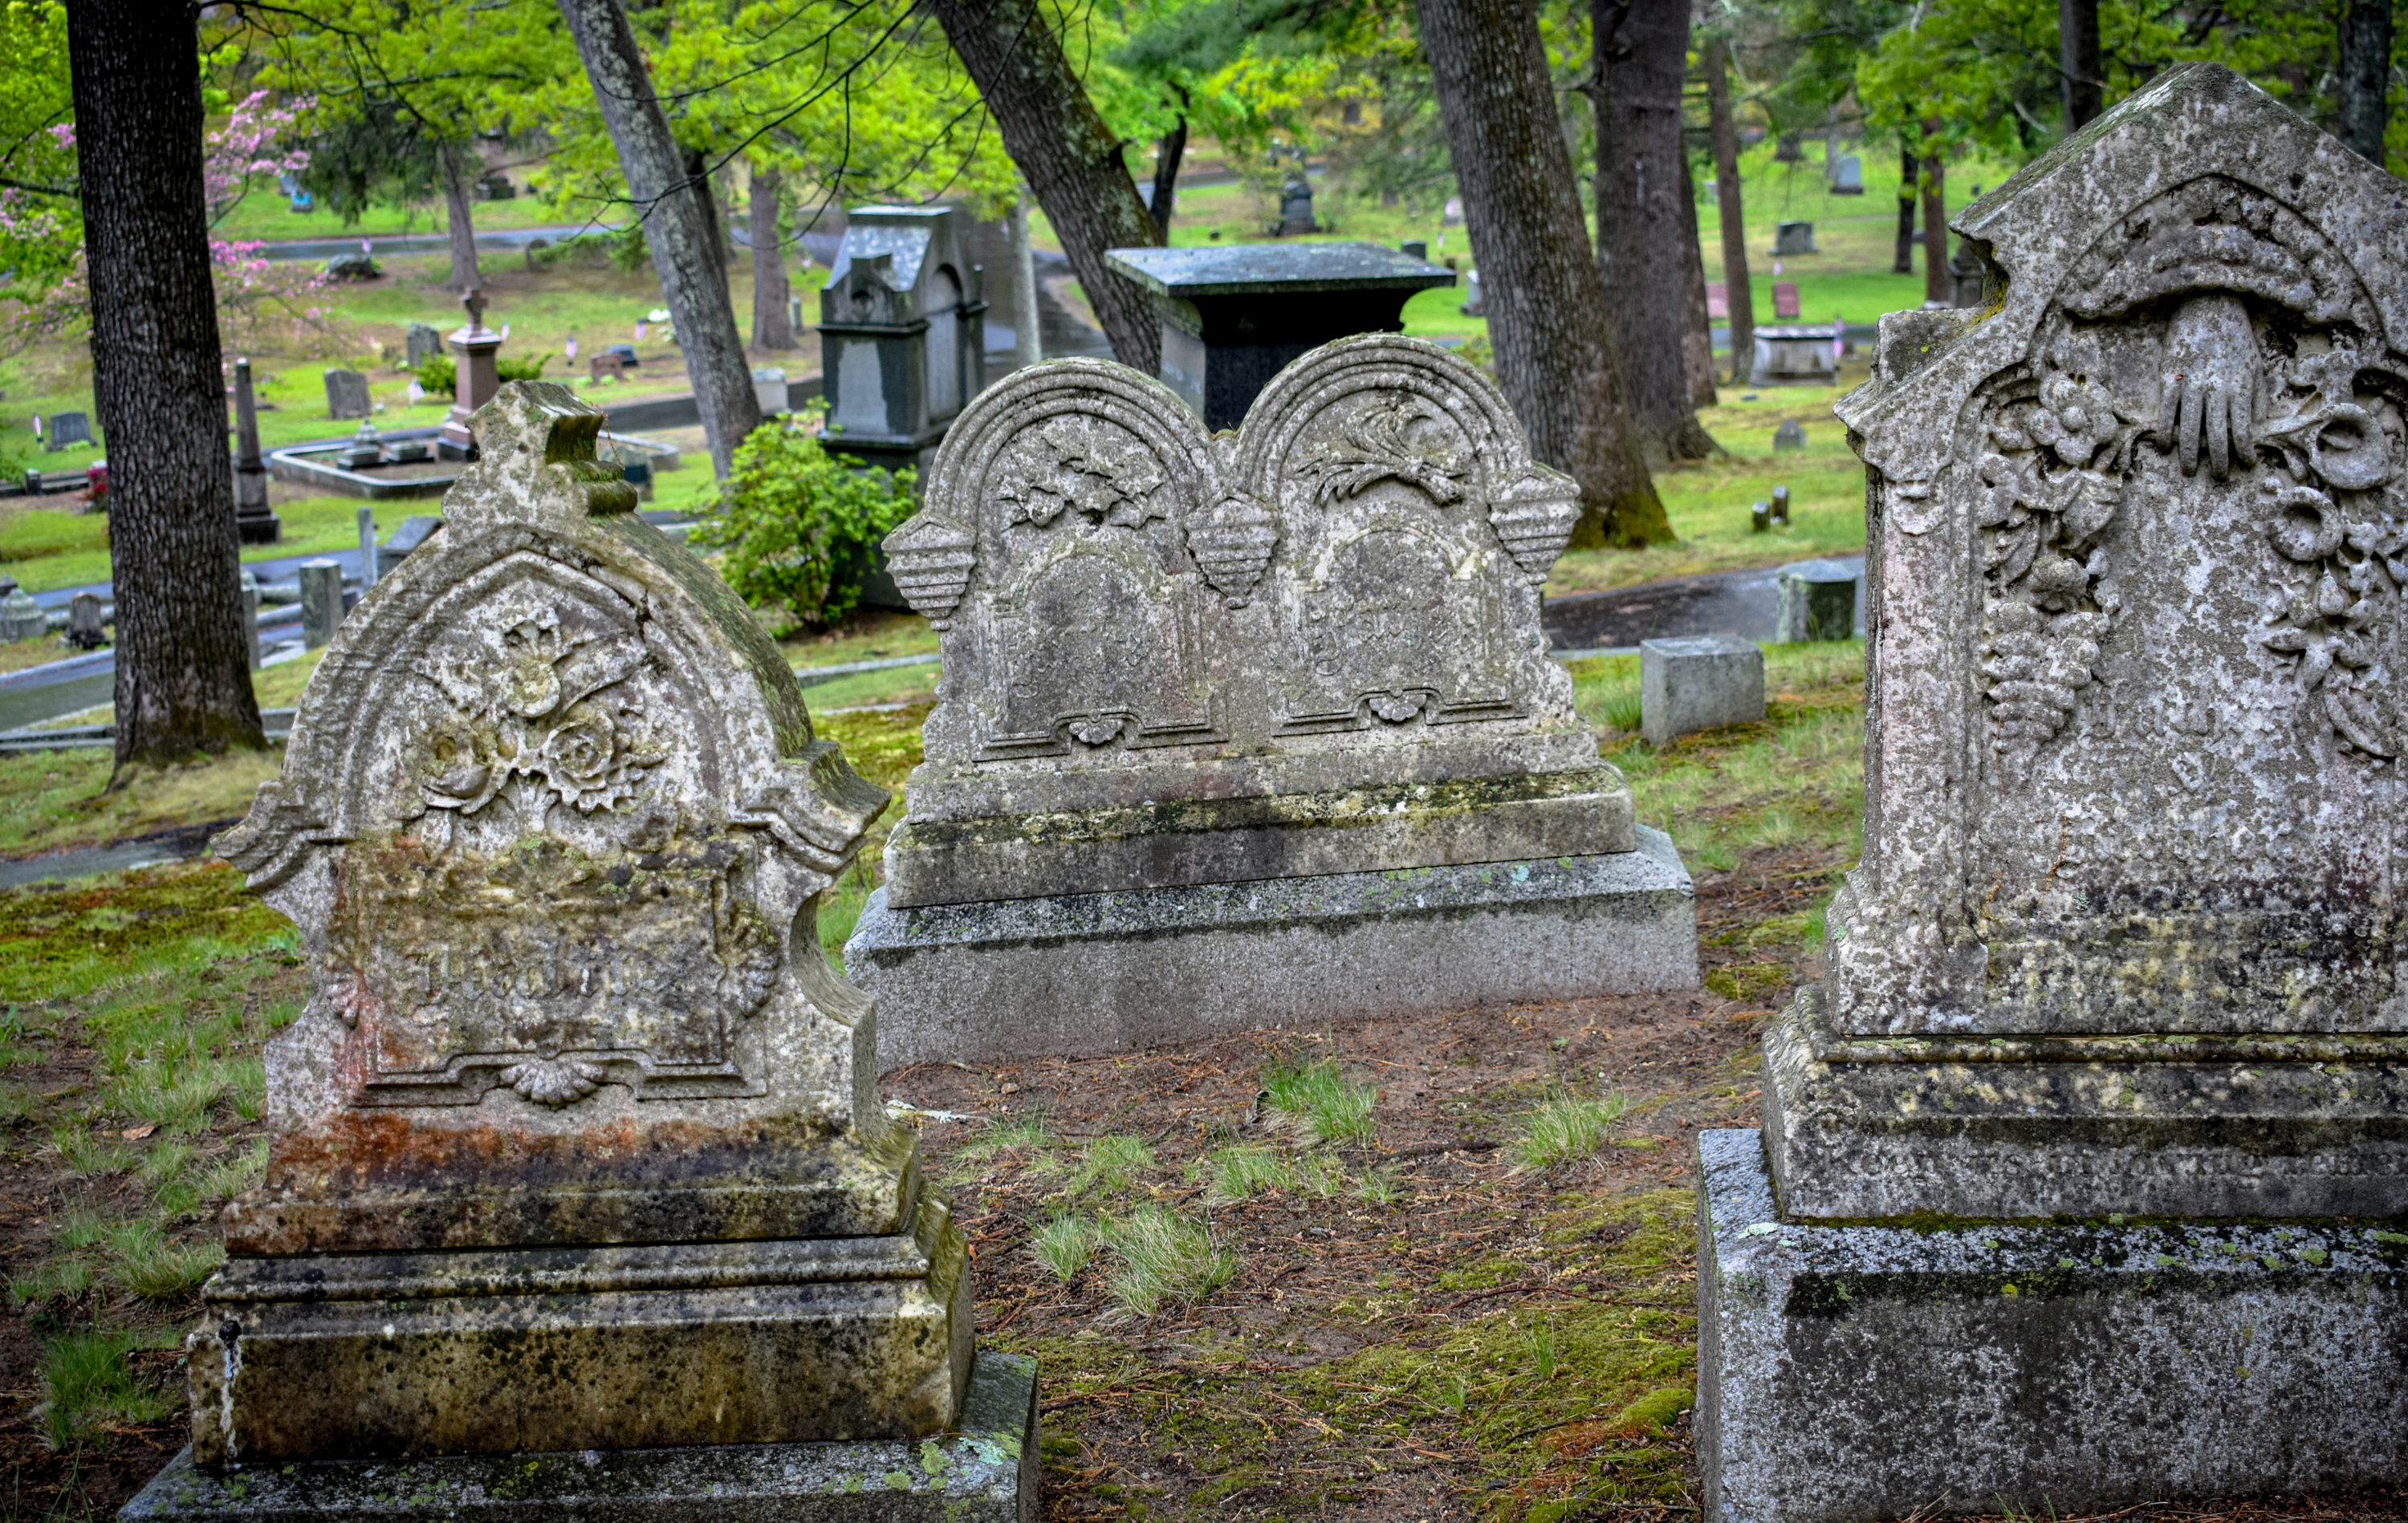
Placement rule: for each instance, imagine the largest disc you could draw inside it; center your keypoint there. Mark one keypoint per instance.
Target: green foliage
(1165, 1258)
(1321, 1103)
(800, 524)
(1065, 1245)
(439, 374)
(41, 219)
(1232, 1173)
(620, 249)
(1111, 1162)
(1566, 1128)
(510, 369)
(88, 1382)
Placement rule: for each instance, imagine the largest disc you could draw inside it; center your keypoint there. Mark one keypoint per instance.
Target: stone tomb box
(902, 332)
(1182, 668)
(1234, 317)
(576, 1146)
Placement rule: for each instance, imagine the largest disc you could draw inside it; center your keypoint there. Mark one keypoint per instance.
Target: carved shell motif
(1232, 542)
(1534, 513)
(930, 559)
(555, 1081)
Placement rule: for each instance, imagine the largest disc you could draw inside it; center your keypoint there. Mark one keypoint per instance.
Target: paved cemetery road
(420, 243)
(1740, 603)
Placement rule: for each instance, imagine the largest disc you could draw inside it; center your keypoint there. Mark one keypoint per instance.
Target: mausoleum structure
(577, 1148)
(1249, 728)
(2083, 1170)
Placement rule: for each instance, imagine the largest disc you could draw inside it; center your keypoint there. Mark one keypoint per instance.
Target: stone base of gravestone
(1817, 601)
(987, 1471)
(1860, 1372)
(1700, 683)
(1100, 972)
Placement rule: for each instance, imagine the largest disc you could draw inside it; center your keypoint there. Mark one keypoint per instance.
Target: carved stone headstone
(20, 617)
(2127, 940)
(420, 342)
(576, 1145)
(1305, 651)
(347, 395)
(69, 429)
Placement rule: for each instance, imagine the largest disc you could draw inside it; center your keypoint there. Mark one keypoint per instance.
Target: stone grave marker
(1790, 435)
(321, 600)
(2114, 1025)
(406, 541)
(69, 429)
(1794, 239)
(255, 522)
(1226, 723)
(87, 624)
(1816, 599)
(578, 1183)
(251, 618)
(1848, 176)
(20, 617)
(1700, 682)
(1785, 301)
(347, 395)
(420, 342)
(607, 366)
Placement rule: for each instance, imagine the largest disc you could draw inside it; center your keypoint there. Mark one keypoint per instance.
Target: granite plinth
(1859, 1373)
(1703, 682)
(987, 1471)
(1092, 972)
(2070, 1127)
(1235, 317)
(1362, 829)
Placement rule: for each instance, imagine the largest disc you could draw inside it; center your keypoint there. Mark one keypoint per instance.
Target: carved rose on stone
(539, 721)
(586, 761)
(1072, 465)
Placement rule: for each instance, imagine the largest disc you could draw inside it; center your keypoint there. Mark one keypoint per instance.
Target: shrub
(801, 525)
(509, 369)
(440, 377)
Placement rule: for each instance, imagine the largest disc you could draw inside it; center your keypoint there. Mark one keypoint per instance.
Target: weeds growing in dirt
(1065, 1246)
(1234, 1173)
(1112, 1163)
(88, 1381)
(1566, 1128)
(1165, 1258)
(1030, 1132)
(1321, 1103)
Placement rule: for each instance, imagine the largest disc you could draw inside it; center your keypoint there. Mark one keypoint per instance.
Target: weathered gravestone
(87, 621)
(255, 522)
(1814, 600)
(1257, 728)
(69, 429)
(1790, 435)
(1794, 239)
(20, 617)
(321, 600)
(577, 1148)
(420, 342)
(2116, 1014)
(1697, 682)
(347, 395)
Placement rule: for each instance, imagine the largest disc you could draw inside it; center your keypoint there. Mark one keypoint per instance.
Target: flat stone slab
(986, 1472)
(1096, 972)
(1276, 269)
(1852, 1372)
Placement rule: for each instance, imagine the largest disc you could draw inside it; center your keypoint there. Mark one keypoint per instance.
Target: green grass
(1164, 1258)
(88, 1382)
(1321, 1103)
(1234, 1173)
(1566, 1128)
(1110, 1164)
(1065, 1245)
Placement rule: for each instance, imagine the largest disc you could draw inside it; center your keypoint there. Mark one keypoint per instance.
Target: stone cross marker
(346, 394)
(2125, 959)
(576, 1145)
(1306, 650)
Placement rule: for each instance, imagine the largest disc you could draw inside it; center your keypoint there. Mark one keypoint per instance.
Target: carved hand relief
(1361, 556)
(536, 817)
(2212, 340)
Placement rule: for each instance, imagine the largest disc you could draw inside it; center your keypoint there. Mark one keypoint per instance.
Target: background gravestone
(420, 342)
(347, 395)
(575, 1150)
(1794, 239)
(2115, 1020)
(87, 621)
(1206, 699)
(69, 429)
(20, 617)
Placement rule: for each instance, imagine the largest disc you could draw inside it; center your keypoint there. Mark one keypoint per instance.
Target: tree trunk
(1938, 281)
(680, 225)
(1697, 325)
(1547, 317)
(459, 222)
(1166, 175)
(1027, 319)
(1904, 262)
(1643, 57)
(183, 657)
(2077, 37)
(1740, 292)
(773, 317)
(1070, 159)
(2365, 76)
(697, 171)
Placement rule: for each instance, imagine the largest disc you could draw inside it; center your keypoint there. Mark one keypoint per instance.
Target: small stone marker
(69, 429)
(2114, 1025)
(86, 628)
(1817, 601)
(366, 449)
(321, 600)
(1848, 176)
(1703, 682)
(1784, 299)
(607, 366)
(20, 617)
(1781, 505)
(1794, 239)
(347, 395)
(1205, 701)
(368, 558)
(576, 1149)
(769, 390)
(420, 342)
(1414, 249)
(1790, 435)
(1760, 517)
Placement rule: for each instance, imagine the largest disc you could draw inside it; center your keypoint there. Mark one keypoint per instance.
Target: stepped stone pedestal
(2084, 1171)
(1243, 729)
(579, 1183)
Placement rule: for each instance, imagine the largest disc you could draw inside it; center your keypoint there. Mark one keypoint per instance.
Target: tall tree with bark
(1738, 290)
(679, 221)
(183, 673)
(2365, 76)
(1902, 261)
(1643, 251)
(1070, 159)
(1938, 281)
(773, 317)
(1167, 153)
(461, 169)
(2086, 80)
(1547, 315)
(1696, 323)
